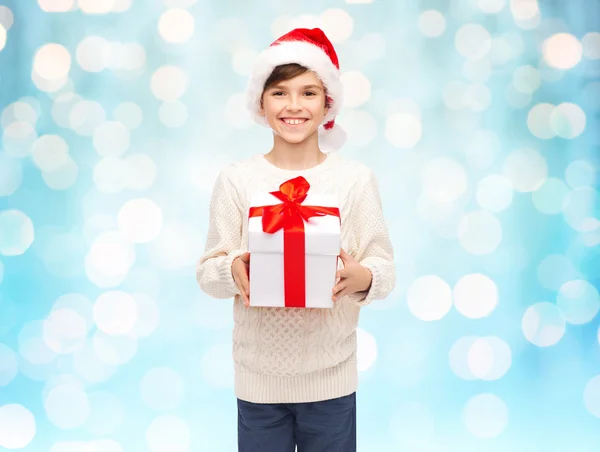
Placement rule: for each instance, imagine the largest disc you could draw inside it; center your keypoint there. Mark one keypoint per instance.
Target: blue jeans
(326, 426)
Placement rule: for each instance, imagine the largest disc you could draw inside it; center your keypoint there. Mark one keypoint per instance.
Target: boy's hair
(285, 72)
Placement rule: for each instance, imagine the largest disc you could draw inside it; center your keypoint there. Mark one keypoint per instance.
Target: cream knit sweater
(291, 355)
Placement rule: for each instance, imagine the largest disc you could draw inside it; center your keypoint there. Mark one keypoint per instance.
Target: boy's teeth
(293, 121)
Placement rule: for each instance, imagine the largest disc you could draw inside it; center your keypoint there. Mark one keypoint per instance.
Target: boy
(295, 369)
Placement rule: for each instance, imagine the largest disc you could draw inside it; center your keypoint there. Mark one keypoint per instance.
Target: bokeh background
(481, 119)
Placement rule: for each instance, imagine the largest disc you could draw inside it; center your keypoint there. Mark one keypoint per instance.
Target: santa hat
(309, 48)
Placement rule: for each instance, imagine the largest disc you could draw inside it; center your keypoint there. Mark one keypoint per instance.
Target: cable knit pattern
(287, 355)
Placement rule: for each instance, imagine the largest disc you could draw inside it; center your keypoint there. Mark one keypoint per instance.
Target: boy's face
(295, 108)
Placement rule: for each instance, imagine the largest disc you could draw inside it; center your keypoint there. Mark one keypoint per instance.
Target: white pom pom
(332, 139)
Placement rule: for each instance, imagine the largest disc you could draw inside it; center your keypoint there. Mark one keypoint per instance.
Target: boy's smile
(295, 108)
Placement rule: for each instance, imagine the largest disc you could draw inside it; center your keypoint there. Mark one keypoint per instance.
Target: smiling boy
(295, 369)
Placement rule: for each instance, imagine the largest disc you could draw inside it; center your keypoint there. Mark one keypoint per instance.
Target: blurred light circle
(61, 108)
(489, 358)
(65, 331)
(11, 174)
(114, 350)
(140, 220)
(162, 389)
(479, 232)
(578, 301)
(85, 116)
(131, 57)
(366, 349)
(52, 62)
(372, 46)
(106, 416)
(543, 324)
(120, 6)
(109, 259)
(482, 148)
(7, 17)
(580, 206)
(96, 7)
(501, 51)
(216, 367)
(444, 180)
(591, 45)
(526, 79)
(432, 23)
(473, 41)
(591, 396)
(92, 53)
(477, 71)
(549, 198)
(402, 105)
(337, 24)
(357, 88)
(148, 315)
(89, 367)
(412, 426)
(494, 193)
(457, 357)
(63, 177)
(53, 86)
(18, 138)
(477, 97)
(78, 303)
(8, 365)
(129, 114)
(360, 127)
(516, 98)
(523, 10)
(562, 51)
(454, 95)
(555, 270)
(110, 174)
(242, 60)
(111, 139)
(21, 110)
(485, 416)
(17, 426)
(50, 152)
(526, 169)
(140, 172)
(538, 121)
(115, 313)
(491, 6)
(31, 344)
(429, 298)
(168, 433)
(169, 83)
(173, 114)
(403, 130)
(236, 113)
(179, 3)
(567, 120)
(67, 406)
(580, 173)
(176, 25)
(16, 232)
(475, 296)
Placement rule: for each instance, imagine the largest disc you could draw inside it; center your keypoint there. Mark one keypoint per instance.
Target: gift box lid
(322, 234)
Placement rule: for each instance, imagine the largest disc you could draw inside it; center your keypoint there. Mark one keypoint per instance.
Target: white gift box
(322, 247)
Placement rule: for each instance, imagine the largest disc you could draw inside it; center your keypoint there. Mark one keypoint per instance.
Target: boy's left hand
(352, 278)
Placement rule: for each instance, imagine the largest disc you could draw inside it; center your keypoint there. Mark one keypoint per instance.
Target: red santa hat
(312, 49)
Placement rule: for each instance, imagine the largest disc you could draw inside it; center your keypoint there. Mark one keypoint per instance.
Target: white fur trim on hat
(305, 54)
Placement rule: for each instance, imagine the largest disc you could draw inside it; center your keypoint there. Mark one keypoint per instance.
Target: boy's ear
(261, 109)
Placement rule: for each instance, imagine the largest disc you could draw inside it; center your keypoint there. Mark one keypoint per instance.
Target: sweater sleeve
(223, 241)
(374, 246)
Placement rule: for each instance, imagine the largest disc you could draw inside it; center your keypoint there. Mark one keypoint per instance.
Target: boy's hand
(240, 271)
(352, 278)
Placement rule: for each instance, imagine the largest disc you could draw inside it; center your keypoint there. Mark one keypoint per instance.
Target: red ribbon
(291, 215)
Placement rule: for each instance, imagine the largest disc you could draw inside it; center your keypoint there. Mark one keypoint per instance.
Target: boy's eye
(277, 93)
(310, 93)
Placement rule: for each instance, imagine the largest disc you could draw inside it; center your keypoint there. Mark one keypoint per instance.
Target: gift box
(294, 243)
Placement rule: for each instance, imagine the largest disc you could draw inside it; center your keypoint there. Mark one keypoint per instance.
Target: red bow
(291, 215)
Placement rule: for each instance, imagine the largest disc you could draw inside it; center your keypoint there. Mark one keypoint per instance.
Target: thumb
(245, 258)
(344, 256)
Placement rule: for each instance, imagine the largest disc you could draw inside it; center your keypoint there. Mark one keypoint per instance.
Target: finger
(245, 258)
(341, 294)
(338, 287)
(343, 273)
(343, 256)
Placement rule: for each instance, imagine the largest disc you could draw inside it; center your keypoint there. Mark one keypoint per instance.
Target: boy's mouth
(293, 122)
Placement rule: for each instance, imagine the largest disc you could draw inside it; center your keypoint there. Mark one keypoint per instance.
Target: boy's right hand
(240, 268)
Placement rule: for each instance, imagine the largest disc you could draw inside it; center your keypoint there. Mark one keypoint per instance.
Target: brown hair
(285, 72)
